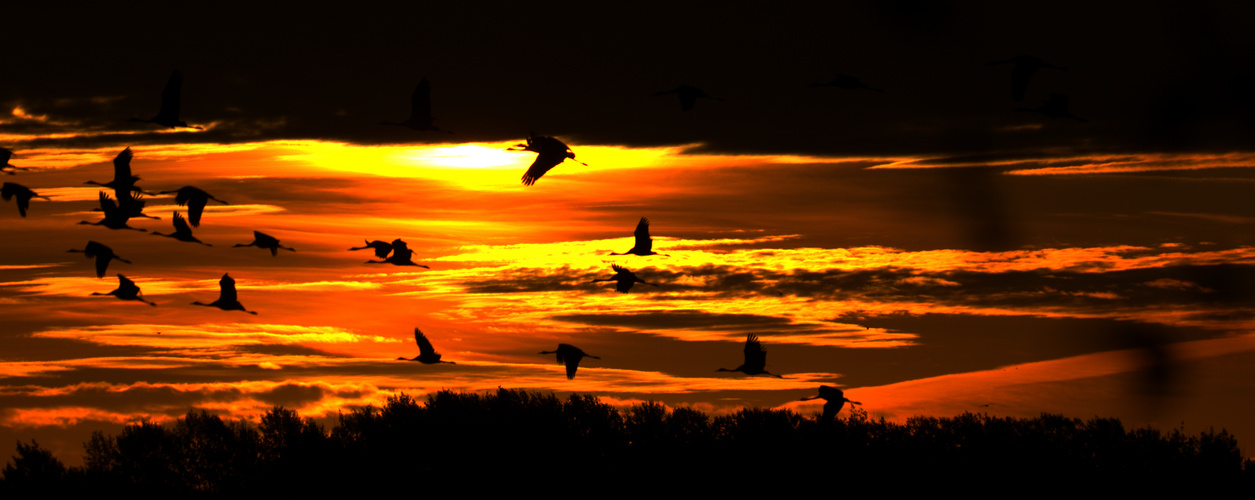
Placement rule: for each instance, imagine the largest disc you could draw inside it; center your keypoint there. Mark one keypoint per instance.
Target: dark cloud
(285, 350)
(293, 395)
(1077, 291)
(680, 320)
(530, 280)
(161, 399)
(1144, 77)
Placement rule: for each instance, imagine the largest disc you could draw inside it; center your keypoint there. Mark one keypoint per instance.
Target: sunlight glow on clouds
(209, 335)
(513, 269)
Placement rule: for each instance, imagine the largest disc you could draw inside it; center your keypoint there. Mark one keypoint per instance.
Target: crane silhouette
(755, 359)
(420, 110)
(263, 240)
(127, 290)
(23, 194)
(182, 231)
(381, 248)
(1055, 106)
(401, 255)
(171, 98)
(624, 279)
(549, 153)
(5, 167)
(426, 353)
(644, 244)
(570, 356)
(102, 254)
(195, 199)
(834, 400)
(846, 82)
(227, 299)
(115, 218)
(129, 199)
(1025, 68)
(688, 95)
(123, 180)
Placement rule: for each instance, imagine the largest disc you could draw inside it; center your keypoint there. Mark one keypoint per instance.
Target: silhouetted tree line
(519, 441)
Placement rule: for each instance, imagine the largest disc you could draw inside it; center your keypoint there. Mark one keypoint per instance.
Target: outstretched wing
(131, 202)
(126, 287)
(102, 254)
(5, 154)
(688, 98)
(832, 407)
(184, 194)
(620, 269)
(107, 205)
(562, 351)
(171, 96)
(122, 166)
(755, 355)
(831, 393)
(180, 224)
(1020, 76)
(195, 207)
(572, 363)
(93, 249)
(544, 162)
(424, 345)
(382, 248)
(643, 241)
(420, 102)
(24, 196)
(226, 290)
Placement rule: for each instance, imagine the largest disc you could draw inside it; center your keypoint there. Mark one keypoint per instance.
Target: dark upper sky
(1161, 79)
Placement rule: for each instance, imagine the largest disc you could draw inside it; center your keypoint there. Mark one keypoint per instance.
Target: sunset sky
(929, 248)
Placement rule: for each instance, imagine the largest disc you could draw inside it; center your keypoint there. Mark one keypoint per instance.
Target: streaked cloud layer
(875, 279)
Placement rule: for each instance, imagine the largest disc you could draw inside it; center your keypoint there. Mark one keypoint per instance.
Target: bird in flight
(23, 194)
(834, 400)
(182, 231)
(570, 356)
(1025, 68)
(122, 181)
(102, 254)
(5, 167)
(846, 82)
(381, 248)
(115, 218)
(127, 290)
(624, 279)
(195, 199)
(549, 153)
(755, 359)
(688, 95)
(426, 353)
(644, 244)
(263, 240)
(227, 299)
(171, 97)
(1055, 106)
(401, 255)
(420, 110)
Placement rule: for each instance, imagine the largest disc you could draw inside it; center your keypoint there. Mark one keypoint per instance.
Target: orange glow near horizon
(826, 260)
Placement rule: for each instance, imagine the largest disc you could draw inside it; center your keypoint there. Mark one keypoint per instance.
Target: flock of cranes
(550, 152)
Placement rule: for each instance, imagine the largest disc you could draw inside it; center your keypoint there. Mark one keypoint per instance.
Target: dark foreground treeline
(520, 442)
